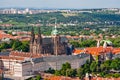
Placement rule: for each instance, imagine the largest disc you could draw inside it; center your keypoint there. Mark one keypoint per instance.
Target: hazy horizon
(60, 4)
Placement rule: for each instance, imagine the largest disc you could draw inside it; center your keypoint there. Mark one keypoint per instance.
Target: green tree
(102, 74)
(4, 45)
(38, 77)
(76, 44)
(116, 75)
(115, 64)
(16, 44)
(50, 70)
(106, 65)
(71, 72)
(93, 66)
(86, 68)
(80, 73)
(57, 72)
(66, 66)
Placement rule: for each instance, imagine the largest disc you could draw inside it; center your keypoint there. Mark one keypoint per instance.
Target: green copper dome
(54, 32)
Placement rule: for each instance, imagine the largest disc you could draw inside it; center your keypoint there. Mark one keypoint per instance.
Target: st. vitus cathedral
(53, 45)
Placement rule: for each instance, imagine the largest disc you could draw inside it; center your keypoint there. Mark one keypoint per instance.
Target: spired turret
(32, 40)
(32, 36)
(39, 41)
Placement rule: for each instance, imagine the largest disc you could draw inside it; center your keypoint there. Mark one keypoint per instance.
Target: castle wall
(57, 64)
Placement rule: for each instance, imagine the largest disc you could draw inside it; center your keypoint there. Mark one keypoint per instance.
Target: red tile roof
(5, 35)
(61, 78)
(24, 54)
(11, 58)
(100, 78)
(97, 50)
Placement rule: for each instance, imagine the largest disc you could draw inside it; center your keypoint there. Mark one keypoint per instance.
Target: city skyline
(75, 4)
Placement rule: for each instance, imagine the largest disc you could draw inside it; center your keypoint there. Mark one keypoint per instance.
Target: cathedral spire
(32, 36)
(39, 40)
(54, 31)
(56, 41)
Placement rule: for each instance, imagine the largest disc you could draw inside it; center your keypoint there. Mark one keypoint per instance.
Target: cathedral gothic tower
(39, 42)
(36, 43)
(32, 40)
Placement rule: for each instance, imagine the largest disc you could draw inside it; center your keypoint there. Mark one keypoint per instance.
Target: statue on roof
(106, 42)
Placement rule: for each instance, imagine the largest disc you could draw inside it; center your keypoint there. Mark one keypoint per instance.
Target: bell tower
(56, 40)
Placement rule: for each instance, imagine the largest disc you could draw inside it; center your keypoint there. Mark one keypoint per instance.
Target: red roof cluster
(100, 78)
(4, 35)
(98, 50)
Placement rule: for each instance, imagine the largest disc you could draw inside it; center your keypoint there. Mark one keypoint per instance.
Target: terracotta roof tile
(24, 54)
(97, 51)
(11, 58)
(61, 78)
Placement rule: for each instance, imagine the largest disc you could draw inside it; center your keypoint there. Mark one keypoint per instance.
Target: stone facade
(54, 45)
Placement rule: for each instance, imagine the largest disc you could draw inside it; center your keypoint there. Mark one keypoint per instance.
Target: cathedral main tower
(56, 41)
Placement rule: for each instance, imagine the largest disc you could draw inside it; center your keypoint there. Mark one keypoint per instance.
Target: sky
(76, 4)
